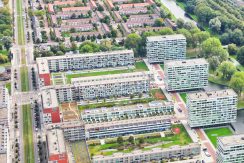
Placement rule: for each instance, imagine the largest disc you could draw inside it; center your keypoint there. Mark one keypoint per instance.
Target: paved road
(197, 135)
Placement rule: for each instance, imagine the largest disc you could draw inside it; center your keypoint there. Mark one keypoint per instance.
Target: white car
(207, 153)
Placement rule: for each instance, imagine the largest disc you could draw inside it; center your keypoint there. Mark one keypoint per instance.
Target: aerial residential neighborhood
(121, 81)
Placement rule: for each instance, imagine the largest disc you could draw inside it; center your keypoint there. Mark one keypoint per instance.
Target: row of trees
(221, 17)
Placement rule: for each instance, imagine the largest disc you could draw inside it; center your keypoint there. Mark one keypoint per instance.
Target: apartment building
(128, 127)
(104, 86)
(156, 154)
(4, 97)
(167, 47)
(51, 113)
(73, 131)
(186, 74)
(211, 108)
(56, 146)
(230, 149)
(118, 58)
(151, 109)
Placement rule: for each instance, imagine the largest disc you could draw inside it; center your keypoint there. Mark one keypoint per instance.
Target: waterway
(176, 10)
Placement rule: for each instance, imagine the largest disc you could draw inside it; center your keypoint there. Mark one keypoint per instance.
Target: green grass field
(21, 35)
(117, 103)
(79, 152)
(214, 133)
(24, 79)
(139, 66)
(150, 142)
(28, 134)
(183, 96)
(8, 86)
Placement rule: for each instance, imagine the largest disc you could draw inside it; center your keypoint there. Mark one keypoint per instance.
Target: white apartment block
(117, 58)
(128, 127)
(103, 86)
(167, 47)
(4, 97)
(230, 149)
(211, 108)
(154, 108)
(186, 74)
(154, 155)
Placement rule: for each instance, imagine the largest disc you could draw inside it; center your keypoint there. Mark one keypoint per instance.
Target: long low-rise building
(118, 58)
(127, 112)
(156, 154)
(211, 108)
(230, 149)
(186, 74)
(103, 86)
(128, 127)
(168, 47)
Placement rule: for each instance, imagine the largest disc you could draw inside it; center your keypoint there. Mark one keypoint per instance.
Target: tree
(240, 55)
(100, 8)
(120, 140)
(227, 69)
(213, 62)
(202, 36)
(132, 41)
(232, 49)
(141, 140)
(113, 33)
(73, 46)
(166, 31)
(215, 24)
(7, 42)
(131, 140)
(180, 23)
(159, 22)
(213, 47)
(237, 82)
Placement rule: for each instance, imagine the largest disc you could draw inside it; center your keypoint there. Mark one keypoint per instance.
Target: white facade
(186, 74)
(127, 112)
(156, 154)
(117, 58)
(168, 47)
(230, 149)
(103, 86)
(211, 108)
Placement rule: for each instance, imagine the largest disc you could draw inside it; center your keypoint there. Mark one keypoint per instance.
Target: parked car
(207, 153)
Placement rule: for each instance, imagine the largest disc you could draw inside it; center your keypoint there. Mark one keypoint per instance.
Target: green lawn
(139, 66)
(157, 94)
(117, 103)
(169, 140)
(28, 134)
(162, 66)
(214, 133)
(21, 35)
(79, 152)
(240, 104)
(8, 86)
(192, 52)
(183, 96)
(24, 79)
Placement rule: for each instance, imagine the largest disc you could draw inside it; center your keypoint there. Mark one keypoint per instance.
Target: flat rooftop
(212, 94)
(49, 98)
(56, 142)
(42, 64)
(187, 62)
(121, 52)
(232, 140)
(128, 121)
(166, 37)
(153, 104)
(115, 78)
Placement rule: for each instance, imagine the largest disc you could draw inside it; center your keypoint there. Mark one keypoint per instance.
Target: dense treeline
(222, 18)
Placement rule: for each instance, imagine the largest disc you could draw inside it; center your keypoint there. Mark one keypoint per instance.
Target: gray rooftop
(165, 37)
(187, 62)
(56, 142)
(232, 140)
(212, 94)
